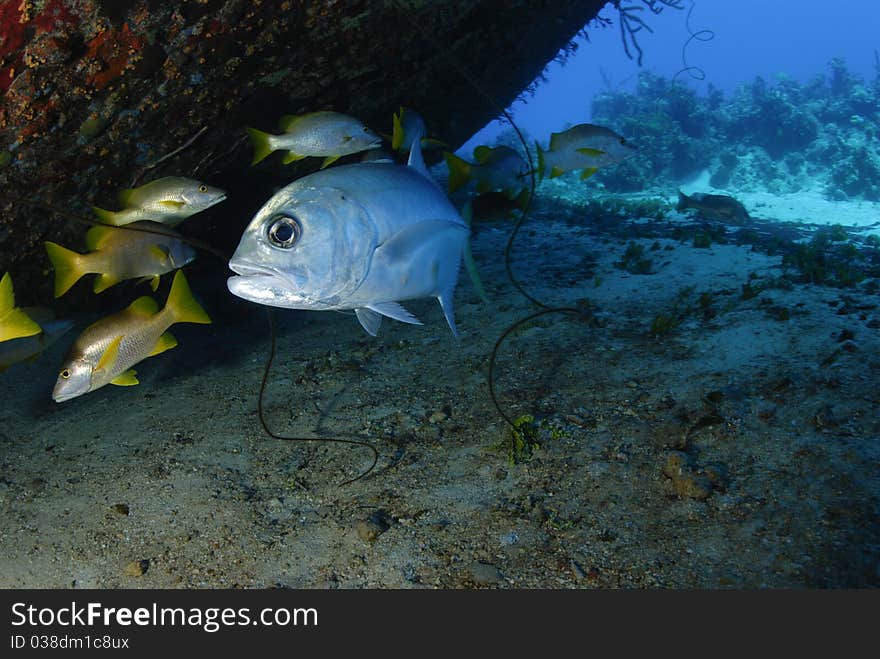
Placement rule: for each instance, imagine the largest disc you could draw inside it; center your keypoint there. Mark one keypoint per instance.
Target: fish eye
(65, 374)
(284, 232)
(203, 188)
(623, 141)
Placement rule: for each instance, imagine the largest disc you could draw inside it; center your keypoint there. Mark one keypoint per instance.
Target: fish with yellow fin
(168, 200)
(408, 125)
(585, 147)
(107, 349)
(324, 134)
(118, 254)
(499, 168)
(14, 323)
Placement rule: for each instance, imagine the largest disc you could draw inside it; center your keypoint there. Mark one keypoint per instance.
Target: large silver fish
(365, 236)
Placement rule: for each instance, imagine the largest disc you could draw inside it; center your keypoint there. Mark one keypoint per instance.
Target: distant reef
(779, 137)
(93, 92)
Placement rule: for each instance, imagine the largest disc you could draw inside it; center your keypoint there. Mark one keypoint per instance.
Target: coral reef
(776, 137)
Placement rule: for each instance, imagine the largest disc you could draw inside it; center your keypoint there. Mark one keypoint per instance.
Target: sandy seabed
(738, 449)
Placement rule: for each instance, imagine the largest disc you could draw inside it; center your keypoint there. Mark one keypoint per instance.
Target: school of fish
(365, 236)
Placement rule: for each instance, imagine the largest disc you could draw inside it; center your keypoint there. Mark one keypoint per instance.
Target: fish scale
(138, 339)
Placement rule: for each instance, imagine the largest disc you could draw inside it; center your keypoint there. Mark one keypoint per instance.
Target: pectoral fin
(159, 253)
(591, 152)
(126, 379)
(369, 320)
(171, 205)
(111, 354)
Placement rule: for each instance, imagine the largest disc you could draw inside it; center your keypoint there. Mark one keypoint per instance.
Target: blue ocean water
(794, 38)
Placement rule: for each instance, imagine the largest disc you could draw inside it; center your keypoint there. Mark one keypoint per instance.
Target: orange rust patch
(115, 50)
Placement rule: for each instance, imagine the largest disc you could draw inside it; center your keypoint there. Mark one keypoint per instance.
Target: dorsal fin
(125, 197)
(144, 306)
(397, 132)
(97, 236)
(287, 121)
(482, 153)
(415, 156)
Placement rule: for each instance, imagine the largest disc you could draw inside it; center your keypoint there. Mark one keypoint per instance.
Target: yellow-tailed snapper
(118, 254)
(325, 134)
(406, 124)
(499, 169)
(168, 200)
(107, 349)
(584, 147)
(363, 236)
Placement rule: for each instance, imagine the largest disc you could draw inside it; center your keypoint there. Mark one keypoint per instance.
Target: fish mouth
(216, 201)
(265, 285)
(60, 397)
(291, 280)
(248, 270)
